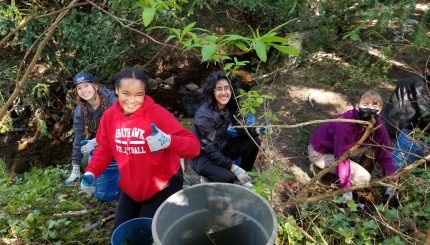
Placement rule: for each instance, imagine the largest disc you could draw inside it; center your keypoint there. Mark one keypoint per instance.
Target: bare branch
(130, 28)
(33, 17)
(11, 33)
(36, 57)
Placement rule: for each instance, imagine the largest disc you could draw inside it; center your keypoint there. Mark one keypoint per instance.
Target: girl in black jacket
(223, 156)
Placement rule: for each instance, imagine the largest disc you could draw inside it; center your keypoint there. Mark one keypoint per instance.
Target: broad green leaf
(174, 5)
(260, 48)
(274, 39)
(287, 49)
(208, 51)
(235, 37)
(211, 38)
(242, 46)
(148, 15)
(176, 31)
(188, 28)
(228, 66)
(170, 38)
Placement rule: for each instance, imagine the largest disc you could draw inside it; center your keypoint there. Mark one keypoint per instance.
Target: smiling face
(87, 91)
(131, 93)
(222, 93)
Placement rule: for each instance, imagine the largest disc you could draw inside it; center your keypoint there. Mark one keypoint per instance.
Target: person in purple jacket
(332, 140)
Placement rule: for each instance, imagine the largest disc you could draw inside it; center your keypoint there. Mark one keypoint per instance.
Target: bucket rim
(126, 223)
(272, 236)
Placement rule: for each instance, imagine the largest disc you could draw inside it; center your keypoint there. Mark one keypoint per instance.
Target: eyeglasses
(221, 89)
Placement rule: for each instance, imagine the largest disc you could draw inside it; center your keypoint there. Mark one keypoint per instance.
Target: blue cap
(83, 77)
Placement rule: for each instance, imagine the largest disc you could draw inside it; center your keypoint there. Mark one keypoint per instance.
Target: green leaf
(188, 28)
(235, 37)
(174, 5)
(211, 38)
(208, 51)
(260, 48)
(274, 39)
(287, 49)
(148, 16)
(242, 46)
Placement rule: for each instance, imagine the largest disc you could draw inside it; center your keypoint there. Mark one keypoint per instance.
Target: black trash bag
(408, 106)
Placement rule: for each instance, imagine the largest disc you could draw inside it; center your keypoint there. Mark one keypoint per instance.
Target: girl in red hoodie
(147, 142)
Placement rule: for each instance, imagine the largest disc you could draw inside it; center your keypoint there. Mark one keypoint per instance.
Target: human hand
(237, 161)
(158, 140)
(347, 196)
(88, 145)
(240, 174)
(250, 120)
(231, 131)
(87, 185)
(264, 129)
(389, 192)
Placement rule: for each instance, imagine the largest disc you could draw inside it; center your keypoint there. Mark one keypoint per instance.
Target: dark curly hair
(209, 94)
(130, 72)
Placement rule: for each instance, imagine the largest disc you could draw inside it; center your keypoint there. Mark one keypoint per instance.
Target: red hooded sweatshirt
(123, 137)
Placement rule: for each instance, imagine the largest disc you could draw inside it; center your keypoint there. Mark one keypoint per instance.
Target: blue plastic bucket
(106, 184)
(135, 231)
(406, 150)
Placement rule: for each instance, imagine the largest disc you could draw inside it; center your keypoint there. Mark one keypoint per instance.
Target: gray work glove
(88, 145)
(389, 192)
(158, 140)
(347, 196)
(240, 174)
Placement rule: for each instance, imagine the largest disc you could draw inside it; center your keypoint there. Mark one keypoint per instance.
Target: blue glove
(231, 131)
(237, 161)
(264, 130)
(88, 145)
(158, 140)
(389, 192)
(250, 120)
(87, 184)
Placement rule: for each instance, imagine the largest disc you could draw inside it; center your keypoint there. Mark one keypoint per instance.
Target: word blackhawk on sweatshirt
(142, 173)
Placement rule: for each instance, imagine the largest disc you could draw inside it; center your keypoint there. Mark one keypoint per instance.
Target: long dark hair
(209, 94)
(89, 132)
(130, 72)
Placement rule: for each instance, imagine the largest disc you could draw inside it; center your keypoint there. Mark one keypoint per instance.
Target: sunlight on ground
(315, 96)
(422, 6)
(319, 56)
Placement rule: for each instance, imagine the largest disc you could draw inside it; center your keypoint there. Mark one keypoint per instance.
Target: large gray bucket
(215, 213)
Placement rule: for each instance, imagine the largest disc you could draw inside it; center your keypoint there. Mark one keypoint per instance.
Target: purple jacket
(338, 137)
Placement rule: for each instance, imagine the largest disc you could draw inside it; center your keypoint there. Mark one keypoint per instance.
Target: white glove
(240, 174)
(389, 192)
(158, 140)
(347, 196)
(88, 145)
(87, 183)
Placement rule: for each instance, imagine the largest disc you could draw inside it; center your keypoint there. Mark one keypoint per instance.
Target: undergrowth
(34, 208)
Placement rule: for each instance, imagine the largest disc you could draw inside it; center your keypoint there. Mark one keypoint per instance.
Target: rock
(170, 80)
(153, 83)
(192, 86)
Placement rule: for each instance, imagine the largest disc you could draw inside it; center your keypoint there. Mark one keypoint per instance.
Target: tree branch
(130, 28)
(34, 17)
(36, 57)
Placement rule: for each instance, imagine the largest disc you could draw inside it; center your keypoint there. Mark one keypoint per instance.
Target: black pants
(243, 147)
(130, 209)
